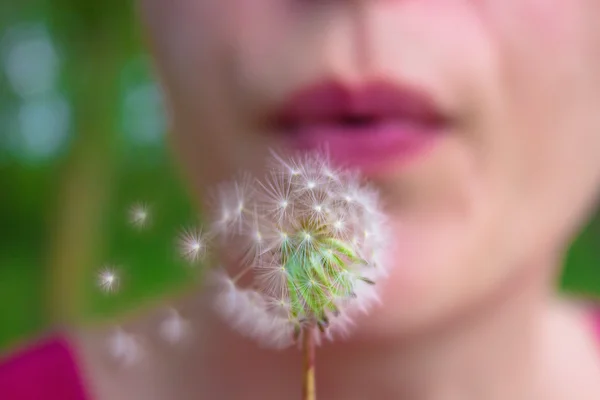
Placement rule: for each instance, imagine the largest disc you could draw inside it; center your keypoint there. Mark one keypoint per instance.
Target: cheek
(543, 149)
(533, 145)
(190, 41)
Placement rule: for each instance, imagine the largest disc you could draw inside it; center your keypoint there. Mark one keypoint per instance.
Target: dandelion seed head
(311, 233)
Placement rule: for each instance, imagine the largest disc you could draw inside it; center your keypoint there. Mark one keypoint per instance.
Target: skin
(480, 223)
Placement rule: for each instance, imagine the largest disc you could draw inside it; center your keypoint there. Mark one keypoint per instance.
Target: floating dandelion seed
(192, 245)
(124, 347)
(174, 328)
(232, 206)
(315, 238)
(139, 215)
(108, 279)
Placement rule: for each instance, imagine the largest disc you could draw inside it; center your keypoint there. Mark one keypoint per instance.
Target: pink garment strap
(45, 371)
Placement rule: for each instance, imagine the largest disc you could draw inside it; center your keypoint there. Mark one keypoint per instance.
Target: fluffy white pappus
(108, 279)
(310, 238)
(247, 312)
(232, 204)
(193, 244)
(125, 348)
(139, 215)
(174, 328)
(276, 196)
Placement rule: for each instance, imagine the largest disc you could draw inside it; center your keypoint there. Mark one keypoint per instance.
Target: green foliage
(581, 276)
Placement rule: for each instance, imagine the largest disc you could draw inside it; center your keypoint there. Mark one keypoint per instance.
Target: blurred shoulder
(571, 348)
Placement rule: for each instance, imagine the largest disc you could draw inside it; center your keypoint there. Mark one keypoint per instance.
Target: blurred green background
(82, 137)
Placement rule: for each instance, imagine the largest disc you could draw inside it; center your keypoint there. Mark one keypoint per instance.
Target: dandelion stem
(308, 373)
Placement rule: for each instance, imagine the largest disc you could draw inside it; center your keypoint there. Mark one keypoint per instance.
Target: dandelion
(314, 237)
(314, 256)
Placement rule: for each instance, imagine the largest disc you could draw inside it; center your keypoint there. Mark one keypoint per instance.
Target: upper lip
(334, 102)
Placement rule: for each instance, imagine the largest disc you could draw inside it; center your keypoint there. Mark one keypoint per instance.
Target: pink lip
(367, 128)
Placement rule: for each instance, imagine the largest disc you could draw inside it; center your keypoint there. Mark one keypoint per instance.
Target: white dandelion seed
(289, 169)
(276, 197)
(108, 279)
(330, 173)
(139, 215)
(233, 202)
(173, 329)
(339, 225)
(273, 278)
(124, 347)
(192, 244)
(315, 206)
(281, 305)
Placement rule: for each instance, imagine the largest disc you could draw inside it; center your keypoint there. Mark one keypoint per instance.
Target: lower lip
(370, 148)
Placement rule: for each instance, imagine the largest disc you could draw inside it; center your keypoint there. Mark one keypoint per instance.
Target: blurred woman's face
(478, 120)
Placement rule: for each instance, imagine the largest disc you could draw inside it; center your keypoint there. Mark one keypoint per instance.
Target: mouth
(369, 128)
